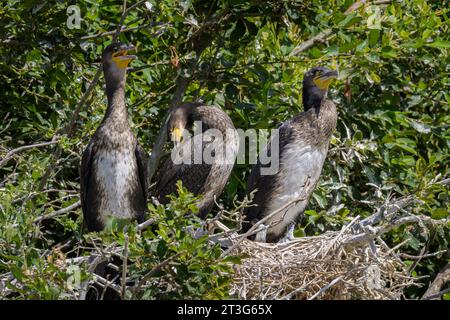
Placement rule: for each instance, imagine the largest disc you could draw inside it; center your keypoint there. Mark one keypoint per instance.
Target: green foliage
(393, 135)
(196, 272)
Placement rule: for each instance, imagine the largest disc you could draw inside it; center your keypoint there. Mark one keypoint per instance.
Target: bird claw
(289, 236)
(262, 234)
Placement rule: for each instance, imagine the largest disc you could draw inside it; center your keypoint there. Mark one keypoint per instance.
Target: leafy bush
(392, 138)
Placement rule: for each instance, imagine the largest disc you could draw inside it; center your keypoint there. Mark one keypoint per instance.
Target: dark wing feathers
(142, 162)
(85, 174)
(264, 184)
(192, 177)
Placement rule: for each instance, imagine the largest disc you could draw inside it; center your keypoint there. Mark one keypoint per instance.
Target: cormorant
(202, 176)
(303, 147)
(113, 167)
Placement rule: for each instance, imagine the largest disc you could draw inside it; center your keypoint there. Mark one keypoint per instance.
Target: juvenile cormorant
(203, 176)
(113, 167)
(303, 147)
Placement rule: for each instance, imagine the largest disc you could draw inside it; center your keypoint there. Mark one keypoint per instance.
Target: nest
(352, 263)
(324, 267)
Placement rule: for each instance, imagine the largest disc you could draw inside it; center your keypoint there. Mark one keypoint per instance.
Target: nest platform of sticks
(325, 267)
(352, 263)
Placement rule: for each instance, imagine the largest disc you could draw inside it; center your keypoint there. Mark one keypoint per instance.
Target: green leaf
(440, 213)
(439, 44)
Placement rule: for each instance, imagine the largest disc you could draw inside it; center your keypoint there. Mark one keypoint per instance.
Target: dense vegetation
(247, 57)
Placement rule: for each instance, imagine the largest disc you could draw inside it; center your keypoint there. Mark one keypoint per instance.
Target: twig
(360, 3)
(56, 213)
(441, 279)
(157, 151)
(124, 268)
(125, 13)
(444, 182)
(291, 294)
(150, 274)
(96, 260)
(323, 35)
(13, 152)
(144, 225)
(106, 283)
(328, 286)
(181, 84)
(147, 66)
(68, 130)
(428, 255)
(108, 33)
(388, 210)
(376, 231)
(34, 194)
(437, 295)
(305, 45)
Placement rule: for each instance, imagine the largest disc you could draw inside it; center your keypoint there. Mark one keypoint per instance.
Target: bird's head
(115, 60)
(315, 86)
(178, 123)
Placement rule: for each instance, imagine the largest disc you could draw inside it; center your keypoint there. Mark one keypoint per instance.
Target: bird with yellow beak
(303, 145)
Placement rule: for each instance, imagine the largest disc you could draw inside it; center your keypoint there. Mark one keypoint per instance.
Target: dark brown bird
(113, 167)
(303, 147)
(201, 175)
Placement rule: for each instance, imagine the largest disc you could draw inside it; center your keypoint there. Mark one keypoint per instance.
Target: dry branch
(136, 289)
(109, 33)
(441, 279)
(58, 212)
(15, 151)
(323, 36)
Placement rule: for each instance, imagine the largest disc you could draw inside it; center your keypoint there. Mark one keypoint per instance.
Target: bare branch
(144, 225)
(320, 38)
(323, 36)
(150, 274)
(328, 286)
(125, 13)
(437, 295)
(124, 269)
(441, 279)
(58, 212)
(428, 255)
(15, 151)
(124, 29)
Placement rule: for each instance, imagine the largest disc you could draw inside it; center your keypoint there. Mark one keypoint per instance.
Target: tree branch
(15, 151)
(150, 274)
(58, 212)
(323, 35)
(441, 279)
(109, 33)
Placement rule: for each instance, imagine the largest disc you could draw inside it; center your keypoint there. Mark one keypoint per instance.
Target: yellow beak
(121, 58)
(177, 135)
(324, 80)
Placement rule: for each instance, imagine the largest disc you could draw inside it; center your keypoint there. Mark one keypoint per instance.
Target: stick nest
(328, 266)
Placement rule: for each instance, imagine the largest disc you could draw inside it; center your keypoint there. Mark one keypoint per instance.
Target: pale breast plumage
(116, 176)
(298, 163)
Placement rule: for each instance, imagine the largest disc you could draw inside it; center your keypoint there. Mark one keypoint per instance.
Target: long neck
(327, 119)
(312, 98)
(115, 93)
